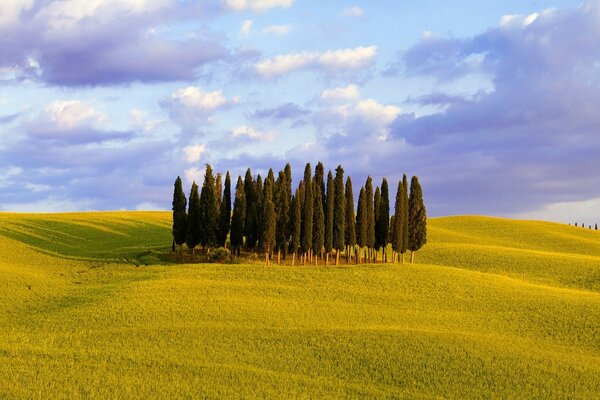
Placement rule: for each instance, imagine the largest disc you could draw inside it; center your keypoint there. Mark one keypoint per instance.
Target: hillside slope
(78, 319)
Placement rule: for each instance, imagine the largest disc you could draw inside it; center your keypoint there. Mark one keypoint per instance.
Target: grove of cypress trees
(238, 217)
(283, 215)
(192, 237)
(350, 236)
(329, 206)
(318, 240)
(208, 218)
(361, 223)
(404, 208)
(339, 214)
(179, 214)
(370, 217)
(307, 213)
(376, 205)
(417, 218)
(225, 211)
(269, 222)
(383, 223)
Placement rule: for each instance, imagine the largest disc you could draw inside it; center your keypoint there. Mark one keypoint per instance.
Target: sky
(493, 104)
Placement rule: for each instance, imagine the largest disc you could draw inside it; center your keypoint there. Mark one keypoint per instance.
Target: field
(494, 309)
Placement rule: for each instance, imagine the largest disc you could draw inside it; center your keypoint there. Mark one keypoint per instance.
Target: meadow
(494, 308)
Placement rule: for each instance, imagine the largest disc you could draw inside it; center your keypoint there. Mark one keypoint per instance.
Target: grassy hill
(498, 309)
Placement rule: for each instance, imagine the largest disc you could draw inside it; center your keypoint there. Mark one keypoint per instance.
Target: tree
(318, 240)
(238, 218)
(218, 191)
(257, 210)
(269, 222)
(361, 222)
(282, 210)
(208, 217)
(249, 194)
(396, 224)
(383, 219)
(319, 183)
(376, 205)
(307, 212)
(404, 208)
(271, 177)
(339, 214)
(596, 226)
(224, 212)
(297, 202)
(417, 218)
(350, 236)
(192, 238)
(179, 214)
(370, 216)
(288, 181)
(329, 206)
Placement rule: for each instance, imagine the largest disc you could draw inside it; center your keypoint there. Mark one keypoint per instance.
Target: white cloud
(70, 114)
(252, 133)
(278, 30)
(353, 12)
(194, 175)
(586, 212)
(50, 204)
(257, 5)
(196, 98)
(349, 92)
(191, 107)
(376, 112)
(246, 28)
(140, 122)
(351, 59)
(193, 154)
(10, 11)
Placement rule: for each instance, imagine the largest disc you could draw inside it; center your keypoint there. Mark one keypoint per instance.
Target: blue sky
(492, 103)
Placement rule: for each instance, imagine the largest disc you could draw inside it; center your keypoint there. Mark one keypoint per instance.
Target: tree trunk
(267, 257)
(278, 256)
(337, 257)
(293, 258)
(412, 256)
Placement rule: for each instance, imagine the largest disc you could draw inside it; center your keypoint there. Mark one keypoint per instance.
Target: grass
(498, 309)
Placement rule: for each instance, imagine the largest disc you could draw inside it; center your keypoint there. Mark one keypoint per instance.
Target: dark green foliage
(307, 211)
(282, 209)
(238, 218)
(361, 219)
(268, 220)
(249, 194)
(225, 212)
(319, 219)
(404, 208)
(319, 183)
(376, 205)
(218, 191)
(288, 180)
(208, 217)
(329, 204)
(192, 238)
(417, 218)
(179, 213)
(273, 186)
(370, 213)
(219, 255)
(383, 216)
(350, 224)
(396, 225)
(255, 230)
(298, 201)
(339, 211)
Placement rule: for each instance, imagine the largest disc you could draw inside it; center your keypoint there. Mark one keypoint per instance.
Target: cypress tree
(218, 191)
(179, 214)
(192, 237)
(404, 247)
(238, 218)
(208, 217)
(417, 218)
(319, 183)
(397, 232)
(376, 206)
(307, 212)
(288, 180)
(361, 222)
(283, 215)
(298, 200)
(319, 220)
(248, 213)
(384, 219)
(329, 204)
(350, 218)
(269, 222)
(596, 226)
(225, 211)
(258, 209)
(370, 216)
(339, 214)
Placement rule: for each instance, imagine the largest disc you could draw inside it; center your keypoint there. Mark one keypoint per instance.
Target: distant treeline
(314, 222)
(589, 226)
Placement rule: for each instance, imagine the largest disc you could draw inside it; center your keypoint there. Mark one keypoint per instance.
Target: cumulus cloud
(334, 60)
(257, 5)
(194, 153)
(349, 92)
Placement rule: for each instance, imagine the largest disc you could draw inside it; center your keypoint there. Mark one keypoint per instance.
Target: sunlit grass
(510, 310)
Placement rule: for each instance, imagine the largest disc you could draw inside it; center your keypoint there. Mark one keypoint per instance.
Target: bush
(219, 255)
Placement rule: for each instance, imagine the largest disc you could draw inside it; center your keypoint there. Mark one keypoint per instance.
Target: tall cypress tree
(339, 214)
(376, 206)
(179, 214)
(370, 216)
(269, 221)
(417, 218)
(218, 191)
(361, 221)
(192, 238)
(283, 215)
(225, 211)
(257, 210)
(298, 201)
(249, 214)
(404, 246)
(329, 204)
(350, 218)
(238, 218)
(208, 217)
(318, 240)
(307, 212)
(397, 232)
(319, 183)
(383, 222)
(288, 180)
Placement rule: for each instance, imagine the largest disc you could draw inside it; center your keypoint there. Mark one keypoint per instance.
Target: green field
(496, 309)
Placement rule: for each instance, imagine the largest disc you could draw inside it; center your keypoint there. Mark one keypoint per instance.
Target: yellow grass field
(495, 309)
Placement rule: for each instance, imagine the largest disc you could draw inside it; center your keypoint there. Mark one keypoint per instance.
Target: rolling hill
(495, 309)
